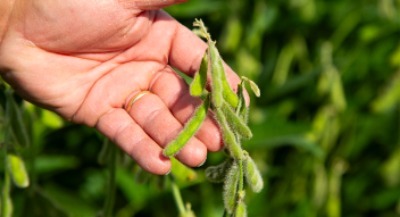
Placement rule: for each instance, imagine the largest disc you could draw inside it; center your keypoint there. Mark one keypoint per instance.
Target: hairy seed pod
(230, 141)
(237, 124)
(190, 129)
(241, 209)
(253, 86)
(17, 170)
(252, 174)
(216, 84)
(218, 70)
(199, 82)
(231, 188)
(218, 173)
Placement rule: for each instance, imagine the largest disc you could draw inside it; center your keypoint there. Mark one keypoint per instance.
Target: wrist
(5, 11)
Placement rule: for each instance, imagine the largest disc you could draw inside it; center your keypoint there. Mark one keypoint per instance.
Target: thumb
(149, 4)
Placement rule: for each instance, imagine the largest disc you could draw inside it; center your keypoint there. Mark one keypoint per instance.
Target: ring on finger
(135, 98)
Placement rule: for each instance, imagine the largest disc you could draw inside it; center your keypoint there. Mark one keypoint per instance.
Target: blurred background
(326, 127)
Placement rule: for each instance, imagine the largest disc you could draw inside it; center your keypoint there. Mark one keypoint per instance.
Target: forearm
(5, 13)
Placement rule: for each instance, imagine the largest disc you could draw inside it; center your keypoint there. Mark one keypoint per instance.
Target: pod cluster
(231, 114)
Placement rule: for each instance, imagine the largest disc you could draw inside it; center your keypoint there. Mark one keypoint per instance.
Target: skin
(86, 60)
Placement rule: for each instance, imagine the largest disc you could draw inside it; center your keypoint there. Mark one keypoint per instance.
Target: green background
(326, 127)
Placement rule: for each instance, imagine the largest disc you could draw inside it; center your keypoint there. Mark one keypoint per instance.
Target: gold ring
(134, 99)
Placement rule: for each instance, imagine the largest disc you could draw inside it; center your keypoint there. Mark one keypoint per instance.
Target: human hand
(89, 60)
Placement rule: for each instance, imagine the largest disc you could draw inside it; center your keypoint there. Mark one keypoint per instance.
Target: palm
(85, 60)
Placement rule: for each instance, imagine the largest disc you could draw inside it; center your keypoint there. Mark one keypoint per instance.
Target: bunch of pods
(231, 114)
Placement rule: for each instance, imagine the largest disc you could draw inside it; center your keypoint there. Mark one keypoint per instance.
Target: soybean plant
(231, 114)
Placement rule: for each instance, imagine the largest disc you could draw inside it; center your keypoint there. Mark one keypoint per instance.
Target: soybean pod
(218, 71)
(236, 123)
(216, 84)
(241, 209)
(230, 141)
(231, 188)
(253, 86)
(252, 174)
(198, 85)
(190, 129)
(218, 173)
(17, 170)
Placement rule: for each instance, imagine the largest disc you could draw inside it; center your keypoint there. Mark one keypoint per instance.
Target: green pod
(217, 69)
(253, 86)
(241, 210)
(236, 123)
(198, 85)
(216, 84)
(230, 141)
(190, 129)
(17, 170)
(231, 188)
(252, 174)
(218, 173)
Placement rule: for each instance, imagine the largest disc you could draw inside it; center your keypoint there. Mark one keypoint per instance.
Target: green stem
(178, 198)
(110, 199)
(6, 203)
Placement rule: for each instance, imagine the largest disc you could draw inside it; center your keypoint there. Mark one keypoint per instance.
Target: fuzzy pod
(218, 70)
(230, 141)
(241, 209)
(236, 123)
(218, 173)
(190, 129)
(17, 170)
(252, 174)
(253, 86)
(216, 84)
(230, 189)
(199, 82)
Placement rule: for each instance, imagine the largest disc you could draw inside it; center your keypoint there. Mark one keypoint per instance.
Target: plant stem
(178, 198)
(110, 198)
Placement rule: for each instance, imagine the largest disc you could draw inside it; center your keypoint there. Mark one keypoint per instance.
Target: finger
(149, 4)
(156, 120)
(128, 135)
(173, 91)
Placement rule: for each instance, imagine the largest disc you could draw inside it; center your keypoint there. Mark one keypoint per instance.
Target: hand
(88, 60)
